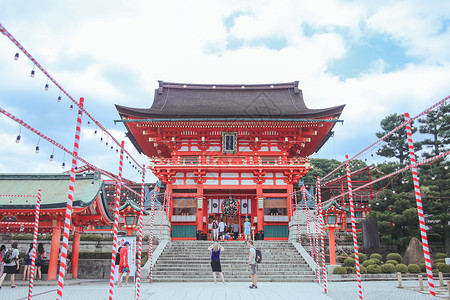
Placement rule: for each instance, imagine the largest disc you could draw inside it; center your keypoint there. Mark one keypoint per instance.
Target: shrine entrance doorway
(217, 209)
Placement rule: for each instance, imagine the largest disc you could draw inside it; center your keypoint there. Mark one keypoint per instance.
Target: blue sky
(377, 58)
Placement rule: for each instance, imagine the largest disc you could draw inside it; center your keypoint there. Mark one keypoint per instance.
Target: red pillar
(260, 209)
(290, 194)
(200, 207)
(54, 252)
(331, 243)
(75, 254)
(170, 204)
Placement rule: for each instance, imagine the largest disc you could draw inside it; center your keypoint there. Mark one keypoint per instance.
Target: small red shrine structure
(209, 142)
(89, 208)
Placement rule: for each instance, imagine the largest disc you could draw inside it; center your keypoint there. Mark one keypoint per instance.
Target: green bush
(402, 268)
(362, 257)
(368, 262)
(442, 267)
(440, 256)
(394, 256)
(362, 270)
(413, 268)
(388, 268)
(439, 260)
(341, 258)
(340, 270)
(377, 261)
(349, 270)
(349, 262)
(376, 256)
(423, 267)
(435, 271)
(373, 269)
(391, 261)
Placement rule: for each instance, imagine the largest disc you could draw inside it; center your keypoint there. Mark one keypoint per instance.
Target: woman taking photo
(215, 260)
(27, 268)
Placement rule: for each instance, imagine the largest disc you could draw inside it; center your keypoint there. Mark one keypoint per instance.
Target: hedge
(442, 267)
(391, 261)
(377, 261)
(394, 256)
(362, 270)
(413, 268)
(368, 263)
(340, 270)
(349, 262)
(423, 267)
(388, 268)
(374, 269)
(402, 268)
(349, 270)
(362, 257)
(376, 256)
(439, 260)
(341, 259)
(440, 255)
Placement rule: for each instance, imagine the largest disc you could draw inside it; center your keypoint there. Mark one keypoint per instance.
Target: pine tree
(396, 145)
(437, 124)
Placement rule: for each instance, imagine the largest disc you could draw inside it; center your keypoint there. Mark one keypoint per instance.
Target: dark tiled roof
(274, 101)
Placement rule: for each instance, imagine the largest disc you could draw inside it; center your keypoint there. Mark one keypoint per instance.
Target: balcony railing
(221, 161)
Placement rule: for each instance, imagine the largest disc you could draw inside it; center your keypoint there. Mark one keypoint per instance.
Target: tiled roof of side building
(272, 101)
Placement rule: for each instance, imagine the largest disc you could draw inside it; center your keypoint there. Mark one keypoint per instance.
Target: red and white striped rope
(297, 207)
(16, 223)
(422, 162)
(440, 102)
(20, 196)
(80, 106)
(150, 245)
(116, 223)
(417, 192)
(68, 217)
(355, 240)
(141, 225)
(322, 243)
(33, 255)
(58, 145)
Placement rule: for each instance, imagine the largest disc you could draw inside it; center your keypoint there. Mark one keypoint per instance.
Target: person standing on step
(123, 266)
(253, 267)
(39, 262)
(247, 226)
(27, 268)
(215, 229)
(236, 231)
(222, 230)
(11, 264)
(215, 260)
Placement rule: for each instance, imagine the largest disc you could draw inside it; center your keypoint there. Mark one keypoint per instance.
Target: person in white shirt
(222, 229)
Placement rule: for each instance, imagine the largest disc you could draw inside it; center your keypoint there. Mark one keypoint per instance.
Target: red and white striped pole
(417, 192)
(317, 239)
(150, 245)
(311, 247)
(322, 244)
(68, 219)
(33, 256)
(355, 240)
(116, 222)
(141, 225)
(298, 218)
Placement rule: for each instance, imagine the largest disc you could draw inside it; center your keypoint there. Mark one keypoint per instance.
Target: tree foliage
(396, 144)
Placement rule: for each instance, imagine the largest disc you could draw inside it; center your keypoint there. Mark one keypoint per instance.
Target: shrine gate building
(245, 143)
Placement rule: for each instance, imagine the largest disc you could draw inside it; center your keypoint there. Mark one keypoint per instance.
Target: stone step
(238, 279)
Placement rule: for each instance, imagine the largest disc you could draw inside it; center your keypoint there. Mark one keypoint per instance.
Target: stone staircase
(190, 261)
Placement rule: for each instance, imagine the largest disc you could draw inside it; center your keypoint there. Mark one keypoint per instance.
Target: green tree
(437, 124)
(396, 144)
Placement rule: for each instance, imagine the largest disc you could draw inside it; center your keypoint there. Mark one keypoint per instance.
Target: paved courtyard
(83, 289)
